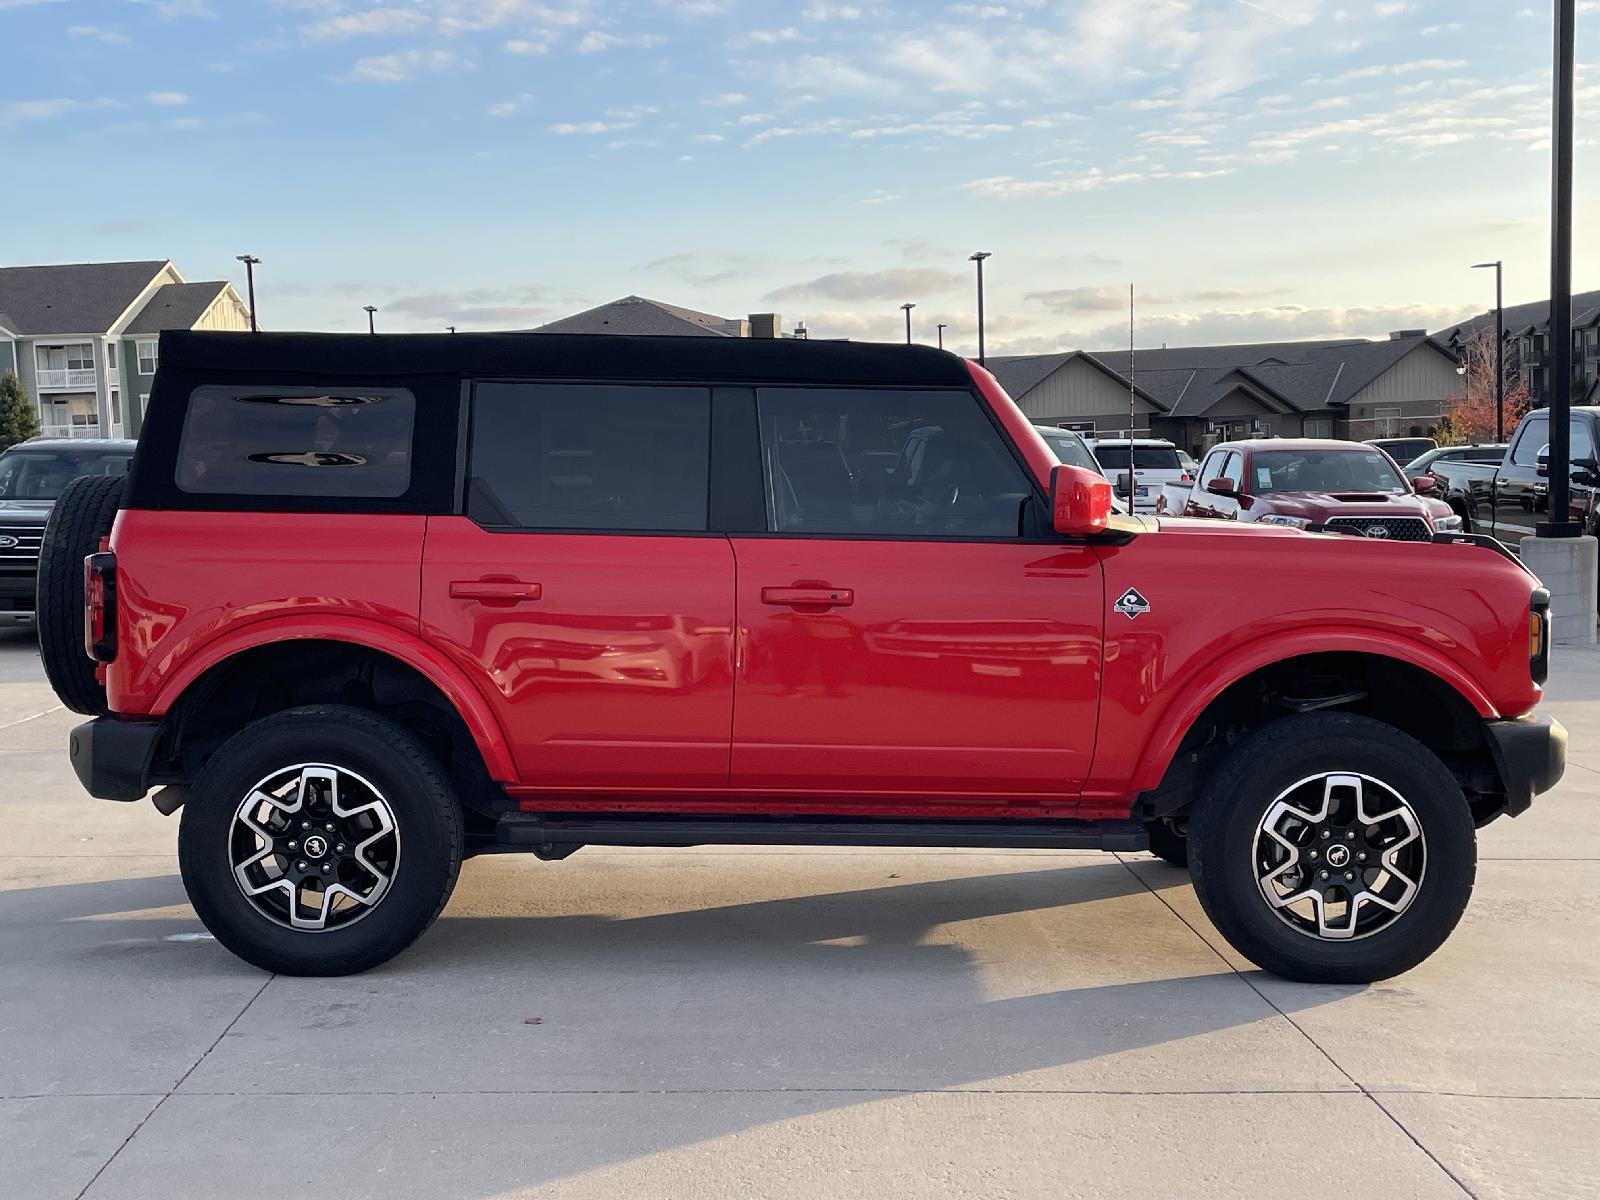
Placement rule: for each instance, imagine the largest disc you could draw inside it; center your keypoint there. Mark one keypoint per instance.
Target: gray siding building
(1200, 395)
(83, 337)
(1527, 345)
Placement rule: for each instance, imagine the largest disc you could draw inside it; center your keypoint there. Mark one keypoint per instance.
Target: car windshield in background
(1145, 458)
(1323, 471)
(1071, 451)
(44, 474)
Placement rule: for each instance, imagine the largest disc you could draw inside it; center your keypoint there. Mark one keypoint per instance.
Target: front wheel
(1332, 848)
(320, 841)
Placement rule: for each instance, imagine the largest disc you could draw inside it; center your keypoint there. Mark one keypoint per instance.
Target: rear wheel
(320, 841)
(1331, 848)
(78, 522)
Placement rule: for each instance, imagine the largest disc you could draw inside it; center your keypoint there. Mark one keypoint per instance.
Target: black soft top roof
(563, 356)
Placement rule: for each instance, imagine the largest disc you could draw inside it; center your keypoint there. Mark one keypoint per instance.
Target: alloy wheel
(1339, 856)
(314, 847)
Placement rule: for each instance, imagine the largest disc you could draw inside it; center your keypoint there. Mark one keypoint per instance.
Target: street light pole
(371, 325)
(906, 308)
(940, 329)
(1559, 379)
(1499, 352)
(251, 262)
(978, 258)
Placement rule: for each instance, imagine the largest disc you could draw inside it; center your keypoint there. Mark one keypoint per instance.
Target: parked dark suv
(33, 474)
(371, 605)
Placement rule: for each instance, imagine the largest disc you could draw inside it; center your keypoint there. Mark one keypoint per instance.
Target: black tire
(78, 522)
(409, 780)
(1223, 829)
(1166, 843)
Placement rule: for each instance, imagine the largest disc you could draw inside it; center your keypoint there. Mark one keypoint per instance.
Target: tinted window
(1213, 468)
(589, 456)
(336, 442)
(1114, 457)
(1356, 470)
(1486, 454)
(1535, 433)
(915, 463)
(1069, 449)
(1233, 469)
(44, 474)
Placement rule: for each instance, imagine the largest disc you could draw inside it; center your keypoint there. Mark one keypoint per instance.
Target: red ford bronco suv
(367, 606)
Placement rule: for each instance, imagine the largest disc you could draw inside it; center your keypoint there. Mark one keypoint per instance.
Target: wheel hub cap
(1339, 856)
(314, 847)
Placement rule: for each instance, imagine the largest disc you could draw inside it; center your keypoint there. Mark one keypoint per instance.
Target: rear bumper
(112, 757)
(1531, 754)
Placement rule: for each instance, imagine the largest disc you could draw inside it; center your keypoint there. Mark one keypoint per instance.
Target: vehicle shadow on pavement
(577, 1038)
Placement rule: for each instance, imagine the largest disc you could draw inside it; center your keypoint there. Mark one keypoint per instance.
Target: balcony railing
(66, 380)
(91, 430)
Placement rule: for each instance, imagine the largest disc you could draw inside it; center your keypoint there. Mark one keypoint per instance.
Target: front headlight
(1280, 519)
(1449, 524)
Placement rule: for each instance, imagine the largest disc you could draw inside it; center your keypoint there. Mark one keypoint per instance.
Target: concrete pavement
(784, 1023)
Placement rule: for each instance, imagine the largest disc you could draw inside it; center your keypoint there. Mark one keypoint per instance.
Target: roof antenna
(1130, 398)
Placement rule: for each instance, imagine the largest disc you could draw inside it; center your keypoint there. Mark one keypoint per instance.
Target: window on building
(147, 357)
(276, 441)
(111, 355)
(590, 456)
(1319, 427)
(887, 461)
(80, 357)
(116, 407)
(1386, 422)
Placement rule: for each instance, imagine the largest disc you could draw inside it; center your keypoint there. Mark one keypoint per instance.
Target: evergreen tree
(18, 420)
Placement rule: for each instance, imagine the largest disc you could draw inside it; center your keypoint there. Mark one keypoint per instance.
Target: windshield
(1145, 458)
(1070, 450)
(1324, 471)
(44, 474)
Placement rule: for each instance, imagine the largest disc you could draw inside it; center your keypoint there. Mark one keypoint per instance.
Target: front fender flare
(404, 647)
(1198, 690)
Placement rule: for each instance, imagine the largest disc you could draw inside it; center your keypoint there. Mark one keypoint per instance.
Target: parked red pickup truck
(1305, 483)
(371, 605)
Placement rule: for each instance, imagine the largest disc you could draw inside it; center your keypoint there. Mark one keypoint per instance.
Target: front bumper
(1531, 754)
(112, 757)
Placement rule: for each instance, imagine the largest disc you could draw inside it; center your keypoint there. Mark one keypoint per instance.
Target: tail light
(1186, 478)
(1539, 635)
(100, 606)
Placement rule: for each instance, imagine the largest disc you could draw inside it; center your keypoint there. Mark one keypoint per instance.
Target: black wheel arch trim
(114, 758)
(1530, 754)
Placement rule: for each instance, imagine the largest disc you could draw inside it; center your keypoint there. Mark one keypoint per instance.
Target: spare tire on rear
(78, 523)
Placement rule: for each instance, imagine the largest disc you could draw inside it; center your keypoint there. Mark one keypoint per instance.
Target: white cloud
(373, 22)
(598, 40)
(97, 33)
(763, 37)
(168, 99)
(403, 65)
(895, 283)
(569, 128)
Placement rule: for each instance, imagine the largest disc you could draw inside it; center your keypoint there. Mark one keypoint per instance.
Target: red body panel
(954, 669)
(813, 675)
(619, 676)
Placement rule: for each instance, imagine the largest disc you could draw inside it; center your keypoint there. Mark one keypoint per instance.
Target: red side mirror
(1080, 501)
(1223, 487)
(1424, 484)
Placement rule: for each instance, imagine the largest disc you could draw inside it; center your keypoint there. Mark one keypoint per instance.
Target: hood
(26, 512)
(1319, 506)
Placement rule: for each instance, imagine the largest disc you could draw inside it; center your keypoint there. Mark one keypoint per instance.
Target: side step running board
(559, 834)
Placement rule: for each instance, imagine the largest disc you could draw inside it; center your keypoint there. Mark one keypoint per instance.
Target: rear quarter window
(351, 443)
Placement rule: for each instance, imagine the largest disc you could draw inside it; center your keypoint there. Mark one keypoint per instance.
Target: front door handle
(501, 592)
(808, 597)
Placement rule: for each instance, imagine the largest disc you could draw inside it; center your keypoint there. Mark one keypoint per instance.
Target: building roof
(1186, 381)
(1524, 318)
(639, 316)
(175, 306)
(73, 298)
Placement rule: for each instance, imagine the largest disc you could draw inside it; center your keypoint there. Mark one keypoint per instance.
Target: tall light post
(906, 308)
(1559, 378)
(940, 329)
(371, 324)
(251, 262)
(979, 258)
(1499, 352)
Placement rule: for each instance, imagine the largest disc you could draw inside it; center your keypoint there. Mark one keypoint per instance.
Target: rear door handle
(495, 591)
(808, 597)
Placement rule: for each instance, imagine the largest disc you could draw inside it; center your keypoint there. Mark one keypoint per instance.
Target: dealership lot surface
(805, 1023)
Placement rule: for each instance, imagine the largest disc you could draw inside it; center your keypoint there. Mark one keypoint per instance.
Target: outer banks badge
(1131, 604)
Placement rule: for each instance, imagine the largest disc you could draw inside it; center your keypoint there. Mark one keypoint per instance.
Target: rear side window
(590, 456)
(887, 462)
(1145, 458)
(352, 443)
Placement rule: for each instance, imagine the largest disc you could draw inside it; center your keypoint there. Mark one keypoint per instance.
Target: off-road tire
(412, 782)
(1166, 843)
(1223, 829)
(78, 522)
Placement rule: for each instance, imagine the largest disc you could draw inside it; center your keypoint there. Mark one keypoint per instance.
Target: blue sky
(1259, 168)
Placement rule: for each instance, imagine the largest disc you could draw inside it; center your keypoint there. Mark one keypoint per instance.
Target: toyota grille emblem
(1376, 531)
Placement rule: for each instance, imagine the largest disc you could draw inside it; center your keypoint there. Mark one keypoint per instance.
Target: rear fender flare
(1200, 688)
(404, 647)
